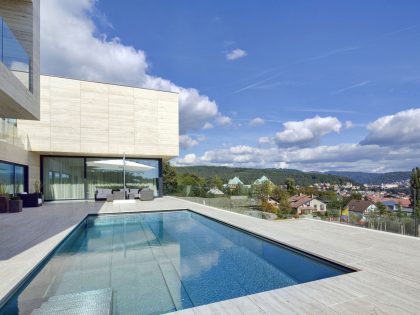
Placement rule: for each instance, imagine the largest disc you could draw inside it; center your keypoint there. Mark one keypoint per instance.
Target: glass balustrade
(13, 55)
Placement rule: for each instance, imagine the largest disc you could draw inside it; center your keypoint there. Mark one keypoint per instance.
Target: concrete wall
(89, 118)
(16, 101)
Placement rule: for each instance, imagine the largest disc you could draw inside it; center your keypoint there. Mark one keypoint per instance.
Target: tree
(291, 186)
(215, 181)
(170, 182)
(282, 196)
(415, 196)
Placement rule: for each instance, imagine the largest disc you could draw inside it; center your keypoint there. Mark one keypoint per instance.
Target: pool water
(157, 262)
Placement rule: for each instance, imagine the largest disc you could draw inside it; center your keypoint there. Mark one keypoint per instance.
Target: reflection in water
(155, 263)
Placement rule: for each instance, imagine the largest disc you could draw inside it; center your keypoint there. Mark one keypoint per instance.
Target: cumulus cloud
(223, 120)
(188, 159)
(207, 125)
(72, 46)
(401, 128)
(236, 54)
(257, 121)
(348, 156)
(186, 142)
(265, 140)
(307, 132)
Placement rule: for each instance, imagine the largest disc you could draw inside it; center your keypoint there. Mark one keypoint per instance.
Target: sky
(309, 85)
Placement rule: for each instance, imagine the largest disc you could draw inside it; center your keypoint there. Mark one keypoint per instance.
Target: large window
(63, 178)
(75, 178)
(13, 177)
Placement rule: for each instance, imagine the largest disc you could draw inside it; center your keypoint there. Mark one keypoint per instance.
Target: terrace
(387, 281)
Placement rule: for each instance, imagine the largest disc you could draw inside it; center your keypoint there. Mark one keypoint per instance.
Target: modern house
(19, 89)
(304, 204)
(74, 122)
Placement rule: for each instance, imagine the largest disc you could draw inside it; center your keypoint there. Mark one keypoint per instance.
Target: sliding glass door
(76, 178)
(63, 178)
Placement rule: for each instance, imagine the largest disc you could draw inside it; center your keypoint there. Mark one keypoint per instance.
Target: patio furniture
(135, 192)
(131, 196)
(15, 205)
(125, 191)
(4, 204)
(31, 200)
(110, 197)
(147, 194)
(102, 193)
(118, 195)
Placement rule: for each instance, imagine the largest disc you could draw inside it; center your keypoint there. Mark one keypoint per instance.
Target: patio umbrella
(121, 164)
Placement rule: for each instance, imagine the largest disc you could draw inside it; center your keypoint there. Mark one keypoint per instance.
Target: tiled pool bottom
(152, 263)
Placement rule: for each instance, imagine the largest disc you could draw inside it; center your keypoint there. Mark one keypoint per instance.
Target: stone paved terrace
(388, 281)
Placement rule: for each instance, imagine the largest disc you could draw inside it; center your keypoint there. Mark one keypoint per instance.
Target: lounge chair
(133, 194)
(102, 193)
(146, 194)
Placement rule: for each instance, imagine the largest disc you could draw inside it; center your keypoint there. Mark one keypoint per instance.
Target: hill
(374, 178)
(249, 175)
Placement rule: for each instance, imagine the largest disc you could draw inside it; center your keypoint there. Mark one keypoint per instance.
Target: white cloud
(186, 142)
(207, 125)
(307, 132)
(223, 120)
(188, 159)
(72, 46)
(236, 54)
(265, 140)
(241, 149)
(257, 121)
(189, 141)
(348, 156)
(398, 129)
(348, 124)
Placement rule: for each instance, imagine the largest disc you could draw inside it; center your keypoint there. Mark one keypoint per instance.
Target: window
(74, 178)
(106, 178)
(63, 178)
(13, 177)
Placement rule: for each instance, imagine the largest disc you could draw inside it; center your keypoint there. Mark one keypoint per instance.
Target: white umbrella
(120, 165)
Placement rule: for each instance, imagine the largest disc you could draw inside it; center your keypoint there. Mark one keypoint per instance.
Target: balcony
(13, 55)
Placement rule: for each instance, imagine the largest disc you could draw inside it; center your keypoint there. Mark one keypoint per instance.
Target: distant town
(384, 206)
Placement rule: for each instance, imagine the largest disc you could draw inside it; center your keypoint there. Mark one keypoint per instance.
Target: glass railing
(13, 56)
(242, 203)
(8, 129)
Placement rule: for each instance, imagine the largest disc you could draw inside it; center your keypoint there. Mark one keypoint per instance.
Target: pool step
(96, 302)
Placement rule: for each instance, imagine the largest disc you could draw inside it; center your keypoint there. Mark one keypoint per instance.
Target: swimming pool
(157, 262)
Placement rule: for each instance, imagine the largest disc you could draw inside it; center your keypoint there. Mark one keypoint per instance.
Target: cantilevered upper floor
(19, 59)
(82, 118)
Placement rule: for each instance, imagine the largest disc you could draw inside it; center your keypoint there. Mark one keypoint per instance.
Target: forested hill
(374, 178)
(249, 175)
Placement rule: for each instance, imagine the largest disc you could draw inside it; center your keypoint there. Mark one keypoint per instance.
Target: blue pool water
(152, 263)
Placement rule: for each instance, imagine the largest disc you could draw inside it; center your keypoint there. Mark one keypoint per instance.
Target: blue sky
(346, 72)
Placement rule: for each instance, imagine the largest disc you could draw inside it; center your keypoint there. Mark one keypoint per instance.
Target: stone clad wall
(89, 118)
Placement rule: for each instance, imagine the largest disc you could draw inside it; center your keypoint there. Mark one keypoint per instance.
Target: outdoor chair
(134, 193)
(118, 195)
(102, 193)
(146, 194)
